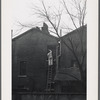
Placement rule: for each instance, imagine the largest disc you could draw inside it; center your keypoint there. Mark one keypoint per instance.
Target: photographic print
(49, 50)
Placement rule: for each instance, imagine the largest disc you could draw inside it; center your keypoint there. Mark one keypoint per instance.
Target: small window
(23, 68)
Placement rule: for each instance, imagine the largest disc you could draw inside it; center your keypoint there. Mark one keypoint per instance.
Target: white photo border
(92, 50)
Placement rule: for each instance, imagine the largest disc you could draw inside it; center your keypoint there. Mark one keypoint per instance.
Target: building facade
(30, 61)
(36, 66)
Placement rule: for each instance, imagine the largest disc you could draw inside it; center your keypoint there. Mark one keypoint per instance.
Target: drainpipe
(58, 52)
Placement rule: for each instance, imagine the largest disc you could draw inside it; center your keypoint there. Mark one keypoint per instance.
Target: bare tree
(80, 17)
(54, 19)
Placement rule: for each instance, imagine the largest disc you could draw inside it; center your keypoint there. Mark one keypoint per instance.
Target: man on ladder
(50, 64)
(50, 58)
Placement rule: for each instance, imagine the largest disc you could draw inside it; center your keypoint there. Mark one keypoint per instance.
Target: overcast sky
(22, 12)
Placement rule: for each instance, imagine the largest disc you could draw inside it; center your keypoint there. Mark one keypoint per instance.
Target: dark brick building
(68, 77)
(30, 61)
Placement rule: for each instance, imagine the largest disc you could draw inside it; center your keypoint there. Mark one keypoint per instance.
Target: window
(23, 68)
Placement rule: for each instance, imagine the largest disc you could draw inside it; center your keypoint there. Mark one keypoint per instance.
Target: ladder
(49, 79)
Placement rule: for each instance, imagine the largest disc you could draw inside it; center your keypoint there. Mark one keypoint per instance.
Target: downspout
(58, 52)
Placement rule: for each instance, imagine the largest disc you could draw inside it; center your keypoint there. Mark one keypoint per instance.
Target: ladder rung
(49, 80)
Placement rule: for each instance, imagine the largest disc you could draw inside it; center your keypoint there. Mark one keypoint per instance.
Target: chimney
(45, 28)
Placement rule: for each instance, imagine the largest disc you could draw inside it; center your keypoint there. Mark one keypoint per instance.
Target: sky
(23, 13)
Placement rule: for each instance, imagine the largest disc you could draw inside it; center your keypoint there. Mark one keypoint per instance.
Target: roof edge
(75, 30)
(35, 28)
